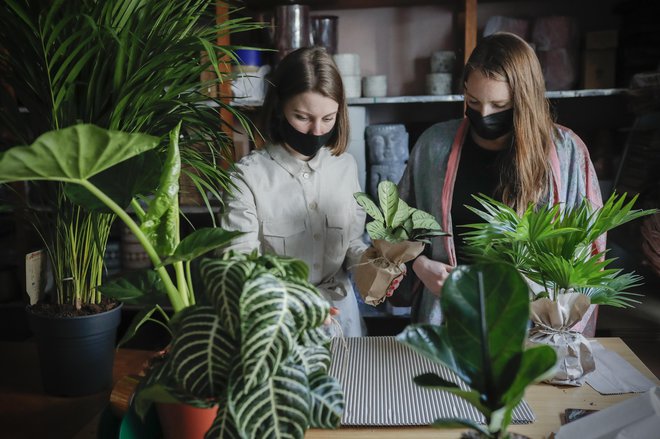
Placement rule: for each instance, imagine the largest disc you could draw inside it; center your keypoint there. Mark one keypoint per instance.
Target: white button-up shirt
(306, 210)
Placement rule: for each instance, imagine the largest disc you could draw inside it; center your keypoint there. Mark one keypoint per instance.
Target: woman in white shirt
(294, 196)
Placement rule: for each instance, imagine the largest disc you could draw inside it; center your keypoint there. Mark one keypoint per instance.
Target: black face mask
(306, 144)
(492, 126)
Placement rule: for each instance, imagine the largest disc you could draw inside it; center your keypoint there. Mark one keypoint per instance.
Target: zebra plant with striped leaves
(258, 349)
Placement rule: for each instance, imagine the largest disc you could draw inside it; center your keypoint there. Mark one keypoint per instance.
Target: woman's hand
(396, 281)
(333, 312)
(432, 273)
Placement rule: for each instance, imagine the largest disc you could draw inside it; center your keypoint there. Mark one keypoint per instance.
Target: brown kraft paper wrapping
(552, 322)
(379, 266)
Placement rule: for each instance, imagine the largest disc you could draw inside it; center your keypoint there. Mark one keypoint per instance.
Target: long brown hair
(505, 56)
(303, 70)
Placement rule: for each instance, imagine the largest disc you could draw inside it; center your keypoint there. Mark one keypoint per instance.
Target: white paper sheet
(635, 418)
(614, 375)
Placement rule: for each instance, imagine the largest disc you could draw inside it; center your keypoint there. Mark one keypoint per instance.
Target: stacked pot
(439, 81)
(348, 65)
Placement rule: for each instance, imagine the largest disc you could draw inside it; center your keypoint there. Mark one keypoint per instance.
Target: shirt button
(305, 174)
(313, 205)
(317, 266)
(317, 236)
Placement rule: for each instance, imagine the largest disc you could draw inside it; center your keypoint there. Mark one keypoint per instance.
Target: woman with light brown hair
(507, 147)
(294, 196)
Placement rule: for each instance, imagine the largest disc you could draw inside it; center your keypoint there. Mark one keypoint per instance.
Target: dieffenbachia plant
(258, 350)
(482, 341)
(552, 246)
(394, 220)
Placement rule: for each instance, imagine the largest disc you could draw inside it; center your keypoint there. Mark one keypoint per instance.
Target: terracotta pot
(185, 421)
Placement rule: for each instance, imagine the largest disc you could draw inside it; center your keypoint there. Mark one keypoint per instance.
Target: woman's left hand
(333, 312)
(396, 281)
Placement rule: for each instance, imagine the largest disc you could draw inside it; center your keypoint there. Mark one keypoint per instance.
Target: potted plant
(483, 342)
(260, 318)
(123, 65)
(553, 248)
(398, 233)
(257, 349)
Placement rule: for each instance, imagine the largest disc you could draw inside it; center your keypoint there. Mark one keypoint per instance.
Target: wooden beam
(470, 28)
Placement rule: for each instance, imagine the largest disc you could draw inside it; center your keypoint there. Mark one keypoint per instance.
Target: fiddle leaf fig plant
(554, 247)
(257, 348)
(483, 342)
(394, 220)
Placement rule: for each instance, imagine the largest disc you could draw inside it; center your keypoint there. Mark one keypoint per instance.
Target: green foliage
(124, 65)
(257, 347)
(394, 220)
(482, 341)
(85, 151)
(553, 247)
(259, 351)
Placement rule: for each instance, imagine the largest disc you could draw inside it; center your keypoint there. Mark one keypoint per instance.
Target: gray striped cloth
(377, 374)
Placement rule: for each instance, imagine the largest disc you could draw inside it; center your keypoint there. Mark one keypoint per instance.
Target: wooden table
(26, 412)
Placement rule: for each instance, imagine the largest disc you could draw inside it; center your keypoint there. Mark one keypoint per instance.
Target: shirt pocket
(284, 238)
(336, 240)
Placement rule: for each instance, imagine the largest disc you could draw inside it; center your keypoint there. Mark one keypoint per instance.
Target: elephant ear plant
(257, 349)
(83, 158)
(124, 65)
(482, 341)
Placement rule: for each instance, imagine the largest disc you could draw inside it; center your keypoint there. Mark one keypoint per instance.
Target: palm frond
(553, 246)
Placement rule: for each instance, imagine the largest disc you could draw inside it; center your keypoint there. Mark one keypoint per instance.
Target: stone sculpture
(388, 154)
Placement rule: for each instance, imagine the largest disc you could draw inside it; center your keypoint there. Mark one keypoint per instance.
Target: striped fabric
(377, 373)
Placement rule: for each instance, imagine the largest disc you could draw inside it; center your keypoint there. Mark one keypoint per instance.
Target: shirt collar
(293, 165)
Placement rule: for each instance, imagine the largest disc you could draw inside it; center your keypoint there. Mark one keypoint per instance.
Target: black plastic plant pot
(76, 354)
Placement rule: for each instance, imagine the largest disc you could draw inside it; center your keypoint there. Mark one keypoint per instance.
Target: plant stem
(191, 291)
(175, 298)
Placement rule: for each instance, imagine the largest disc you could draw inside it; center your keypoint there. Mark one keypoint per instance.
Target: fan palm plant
(129, 65)
(553, 246)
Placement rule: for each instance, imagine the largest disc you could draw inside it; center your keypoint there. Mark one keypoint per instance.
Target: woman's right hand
(432, 273)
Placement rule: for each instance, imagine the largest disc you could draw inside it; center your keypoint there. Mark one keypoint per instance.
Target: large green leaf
(433, 381)
(202, 353)
(313, 358)
(388, 196)
(327, 401)
(278, 407)
(223, 282)
(73, 154)
(161, 222)
(224, 425)
(369, 206)
(267, 328)
(430, 341)
(306, 305)
(140, 176)
(135, 287)
(493, 302)
(199, 242)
